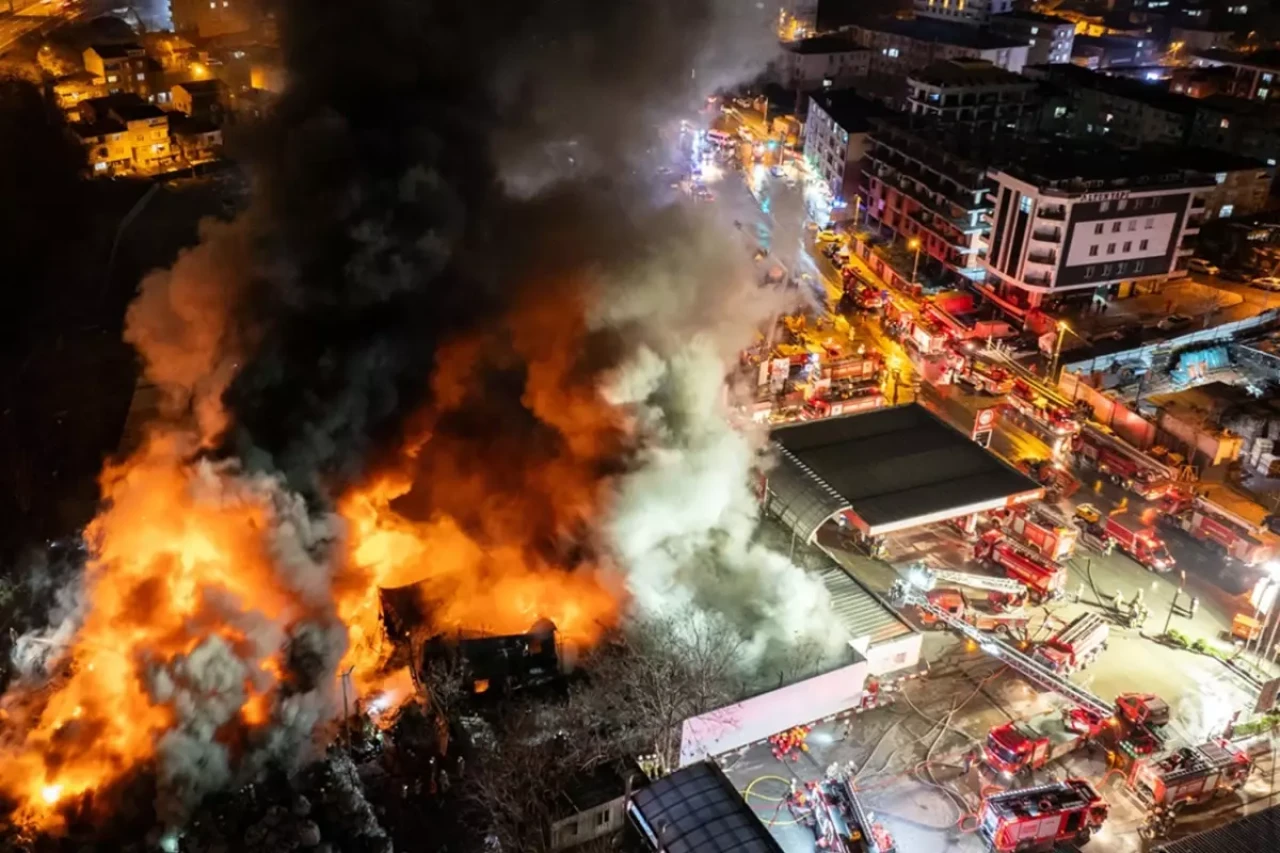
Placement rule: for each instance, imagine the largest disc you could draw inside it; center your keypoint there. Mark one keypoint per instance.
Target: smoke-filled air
(454, 341)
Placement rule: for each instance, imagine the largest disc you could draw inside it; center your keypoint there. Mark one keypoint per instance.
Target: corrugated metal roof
(1256, 832)
(697, 810)
(799, 498)
(861, 612)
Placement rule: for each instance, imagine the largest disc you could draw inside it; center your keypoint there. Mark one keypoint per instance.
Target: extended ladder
(1008, 585)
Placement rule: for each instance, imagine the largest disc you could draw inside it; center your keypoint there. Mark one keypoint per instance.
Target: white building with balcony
(1071, 222)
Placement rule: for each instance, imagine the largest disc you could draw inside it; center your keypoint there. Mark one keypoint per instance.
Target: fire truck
(1044, 580)
(985, 378)
(831, 809)
(1045, 530)
(1041, 414)
(1188, 777)
(1124, 465)
(954, 603)
(1002, 593)
(1218, 527)
(1037, 819)
(1075, 646)
(818, 408)
(1140, 543)
(1056, 479)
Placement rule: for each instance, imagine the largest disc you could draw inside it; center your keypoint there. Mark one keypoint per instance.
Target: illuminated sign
(1115, 194)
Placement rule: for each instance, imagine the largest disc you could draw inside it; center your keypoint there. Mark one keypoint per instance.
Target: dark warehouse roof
(697, 810)
(1258, 832)
(896, 467)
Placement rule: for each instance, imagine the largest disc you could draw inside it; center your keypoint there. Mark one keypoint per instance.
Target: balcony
(1044, 280)
(1197, 203)
(1042, 257)
(1056, 214)
(1047, 235)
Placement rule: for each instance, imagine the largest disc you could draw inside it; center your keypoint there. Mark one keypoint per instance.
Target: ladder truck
(873, 836)
(1075, 646)
(1044, 580)
(1188, 777)
(1124, 464)
(1002, 593)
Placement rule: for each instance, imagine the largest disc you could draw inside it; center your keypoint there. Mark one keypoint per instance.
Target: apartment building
(1049, 39)
(972, 12)
(1114, 51)
(900, 47)
(120, 68)
(1237, 126)
(124, 134)
(1241, 185)
(211, 18)
(1125, 112)
(971, 92)
(1068, 221)
(926, 179)
(823, 62)
(837, 137)
(1255, 75)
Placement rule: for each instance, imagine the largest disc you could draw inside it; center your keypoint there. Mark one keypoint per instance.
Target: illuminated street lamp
(1063, 329)
(914, 243)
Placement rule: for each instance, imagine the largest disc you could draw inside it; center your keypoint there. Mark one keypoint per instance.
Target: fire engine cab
(1187, 777)
(1038, 819)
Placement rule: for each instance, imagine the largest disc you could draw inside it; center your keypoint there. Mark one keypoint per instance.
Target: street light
(1063, 328)
(857, 203)
(914, 243)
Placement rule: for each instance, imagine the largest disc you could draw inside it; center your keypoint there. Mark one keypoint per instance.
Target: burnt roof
(823, 44)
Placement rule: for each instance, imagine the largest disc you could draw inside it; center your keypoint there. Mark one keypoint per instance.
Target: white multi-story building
(965, 11)
(1068, 220)
(972, 92)
(900, 47)
(1050, 39)
(837, 137)
(823, 62)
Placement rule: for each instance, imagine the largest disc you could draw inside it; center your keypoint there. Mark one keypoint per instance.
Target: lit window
(1035, 30)
(1220, 177)
(1104, 206)
(1025, 204)
(213, 4)
(1271, 161)
(1227, 210)
(100, 167)
(142, 76)
(1110, 117)
(1266, 78)
(1224, 123)
(112, 78)
(1262, 93)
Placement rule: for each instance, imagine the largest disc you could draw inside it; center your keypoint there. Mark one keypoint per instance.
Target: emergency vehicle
(957, 605)
(1218, 527)
(1123, 464)
(1037, 819)
(1045, 530)
(1042, 414)
(1056, 479)
(1002, 593)
(985, 378)
(1044, 580)
(1188, 777)
(1075, 646)
(1140, 543)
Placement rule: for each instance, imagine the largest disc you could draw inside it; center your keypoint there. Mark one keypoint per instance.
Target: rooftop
(967, 72)
(1268, 60)
(899, 467)
(1258, 831)
(944, 32)
(136, 112)
(598, 785)
(1152, 94)
(202, 87)
(1033, 17)
(91, 130)
(850, 110)
(1077, 166)
(697, 810)
(117, 51)
(823, 44)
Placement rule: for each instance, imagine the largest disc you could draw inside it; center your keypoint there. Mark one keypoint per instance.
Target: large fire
(193, 558)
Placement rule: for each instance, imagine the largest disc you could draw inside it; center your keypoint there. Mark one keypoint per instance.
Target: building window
(1122, 267)
(1224, 124)
(1137, 266)
(1127, 246)
(1221, 177)
(1149, 224)
(1122, 204)
(100, 167)
(142, 76)
(1106, 270)
(1093, 250)
(1104, 207)
(1262, 93)
(1059, 112)
(1115, 227)
(1088, 271)
(1025, 204)
(1097, 229)
(113, 78)
(1226, 211)
(603, 818)
(1111, 248)
(1142, 245)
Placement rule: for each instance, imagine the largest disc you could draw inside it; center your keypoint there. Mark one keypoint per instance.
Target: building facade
(900, 47)
(964, 11)
(1255, 76)
(1049, 39)
(210, 18)
(823, 62)
(119, 68)
(971, 92)
(1123, 111)
(837, 138)
(927, 180)
(1070, 222)
(124, 134)
(1114, 51)
(1241, 185)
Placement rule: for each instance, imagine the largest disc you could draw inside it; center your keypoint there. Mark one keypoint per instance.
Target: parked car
(828, 236)
(1174, 322)
(1235, 274)
(1266, 282)
(1200, 265)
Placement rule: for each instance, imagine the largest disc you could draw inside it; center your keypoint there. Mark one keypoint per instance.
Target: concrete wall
(894, 655)
(742, 723)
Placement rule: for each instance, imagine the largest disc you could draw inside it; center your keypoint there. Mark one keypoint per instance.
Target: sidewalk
(1183, 297)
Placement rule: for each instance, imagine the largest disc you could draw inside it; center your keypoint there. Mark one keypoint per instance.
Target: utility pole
(914, 243)
(857, 202)
(1177, 593)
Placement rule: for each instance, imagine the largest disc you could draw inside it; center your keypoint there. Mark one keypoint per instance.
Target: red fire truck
(1058, 420)
(1125, 466)
(1216, 526)
(985, 378)
(955, 603)
(1045, 530)
(819, 408)
(1140, 543)
(1075, 646)
(1056, 479)
(1018, 747)
(1038, 819)
(1044, 580)
(1187, 777)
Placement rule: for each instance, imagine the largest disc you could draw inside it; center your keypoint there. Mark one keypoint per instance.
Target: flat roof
(698, 810)
(968, 72)
(823, 44)
(901, 467)
(849, 109)
(1032, 17)
(1267, 60)
(1151, 94)
(944, 32)
(1258, 831)
(1052, 163)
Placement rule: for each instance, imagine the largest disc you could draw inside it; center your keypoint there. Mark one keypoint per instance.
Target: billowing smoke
(454, 342)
